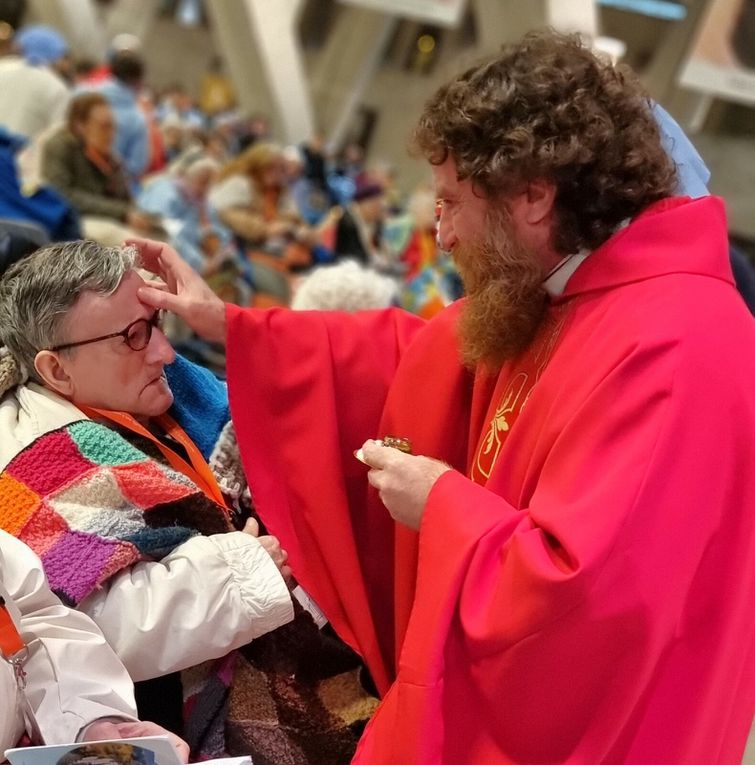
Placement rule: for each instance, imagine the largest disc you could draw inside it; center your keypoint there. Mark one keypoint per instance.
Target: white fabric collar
(555, 283)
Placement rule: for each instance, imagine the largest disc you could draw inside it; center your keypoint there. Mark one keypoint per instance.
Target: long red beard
(505, 298)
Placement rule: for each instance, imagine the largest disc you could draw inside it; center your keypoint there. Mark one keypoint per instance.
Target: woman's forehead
(123, 305)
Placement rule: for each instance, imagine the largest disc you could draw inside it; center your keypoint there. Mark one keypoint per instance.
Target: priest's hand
(185, 292)
(403, 480)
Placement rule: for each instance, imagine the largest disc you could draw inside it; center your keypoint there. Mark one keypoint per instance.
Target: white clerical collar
(555, 283)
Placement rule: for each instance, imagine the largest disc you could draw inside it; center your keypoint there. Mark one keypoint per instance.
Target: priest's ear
(540, 199)
(52, 369)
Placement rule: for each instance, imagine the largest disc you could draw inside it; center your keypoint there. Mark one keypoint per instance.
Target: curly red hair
(547, 107)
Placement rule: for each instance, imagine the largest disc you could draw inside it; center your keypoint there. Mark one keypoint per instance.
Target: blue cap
(41, 45)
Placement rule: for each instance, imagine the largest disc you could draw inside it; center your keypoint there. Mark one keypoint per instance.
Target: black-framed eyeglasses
(136, 335)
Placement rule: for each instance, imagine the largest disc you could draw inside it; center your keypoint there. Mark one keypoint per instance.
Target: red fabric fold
(325, 399)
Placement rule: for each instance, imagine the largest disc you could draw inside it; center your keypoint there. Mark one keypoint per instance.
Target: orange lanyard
(13, 650)
(100, 161)
(199, 471)
(11, 642)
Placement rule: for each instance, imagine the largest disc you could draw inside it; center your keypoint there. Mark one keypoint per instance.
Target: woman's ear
(53, 372)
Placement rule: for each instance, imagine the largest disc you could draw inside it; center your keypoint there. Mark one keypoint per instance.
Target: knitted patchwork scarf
(90, 504)
(91, 501)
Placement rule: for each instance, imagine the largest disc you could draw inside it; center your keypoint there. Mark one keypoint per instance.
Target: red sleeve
(306, 389)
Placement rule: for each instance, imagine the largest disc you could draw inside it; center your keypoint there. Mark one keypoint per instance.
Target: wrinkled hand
(273, 548)
(280, 557)
(403, 480)
(251, 527)
(187, 294)
(103, 730)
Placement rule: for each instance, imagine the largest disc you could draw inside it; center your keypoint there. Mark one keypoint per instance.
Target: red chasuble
(581, 589)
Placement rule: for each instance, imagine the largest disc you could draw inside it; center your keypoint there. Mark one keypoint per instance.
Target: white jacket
(73, 677)
(209, 596)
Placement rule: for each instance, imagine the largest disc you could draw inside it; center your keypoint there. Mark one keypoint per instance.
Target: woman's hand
(106, 729)
(273, 548)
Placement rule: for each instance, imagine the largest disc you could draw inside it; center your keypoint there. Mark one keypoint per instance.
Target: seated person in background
(252, 199)
(78, 160)
(359, 231)
(221, 268)
(181, 195)
(29, 218)
(414, 235)
(34, 91)
(226, 274)
(122, 90)
(32, 205)
(133, 526)
(173, 135)
(430, 281)
(76, 688)
(180, 200)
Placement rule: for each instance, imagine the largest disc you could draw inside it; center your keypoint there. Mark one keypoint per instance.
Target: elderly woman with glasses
(107, 487)
(130, 498)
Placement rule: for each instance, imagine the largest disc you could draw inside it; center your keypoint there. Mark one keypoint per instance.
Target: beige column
(573, 16)
(77, 20)
(363, 76)
(500, 21)
(231, 27)
(273, 30)
(345, 67)
(660, 75)
(259, 44)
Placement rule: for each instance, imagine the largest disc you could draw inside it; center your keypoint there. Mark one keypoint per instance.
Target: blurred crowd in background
(88, 149)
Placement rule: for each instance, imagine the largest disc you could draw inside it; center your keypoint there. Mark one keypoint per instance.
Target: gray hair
(344, 286)
(37, 292)
(200, 166)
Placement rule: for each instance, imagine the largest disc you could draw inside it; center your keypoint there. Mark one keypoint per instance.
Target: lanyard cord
(15, 652)
(199, 471)
(11, 643)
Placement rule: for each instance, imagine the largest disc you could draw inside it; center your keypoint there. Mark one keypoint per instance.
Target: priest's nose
(445, 236)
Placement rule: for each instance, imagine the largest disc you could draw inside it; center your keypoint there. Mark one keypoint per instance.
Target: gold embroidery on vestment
(515, 396)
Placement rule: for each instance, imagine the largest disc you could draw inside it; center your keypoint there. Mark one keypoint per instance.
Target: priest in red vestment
(563, 569)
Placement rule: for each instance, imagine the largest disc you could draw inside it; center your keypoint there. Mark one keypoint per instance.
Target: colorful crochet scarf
(90, 504)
